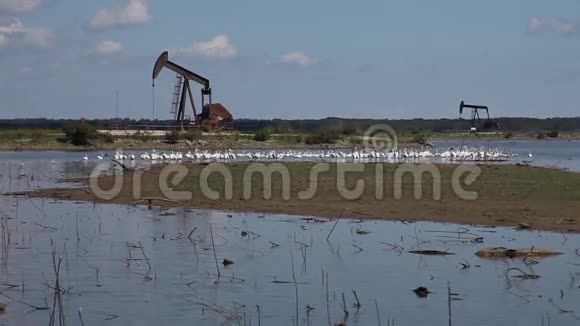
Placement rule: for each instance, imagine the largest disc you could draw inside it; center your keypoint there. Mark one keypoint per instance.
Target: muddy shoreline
(182, 146)
(513, 196)
(229, 142)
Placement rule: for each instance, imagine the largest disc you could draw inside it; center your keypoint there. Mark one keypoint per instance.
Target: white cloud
(107, 47)
(217, 47)
(39, 38)
(553, 24)
(134, 13)
(19, 6)
(11, 26)
(297, 58)
(13, 33)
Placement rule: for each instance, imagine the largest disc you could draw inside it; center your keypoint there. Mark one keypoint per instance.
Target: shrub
(322, 137)
(356, 140)
(419, 139)
(553, 134)
(508, 135)
(541, 136)
(489, 125)
(172, 137)
(289, 139)
(141, 136)
(108, 138)
(263, 135)
(79, 134)
(192, 134)
(312, 140)
(329, 136)
(349, 131)
(36, 135)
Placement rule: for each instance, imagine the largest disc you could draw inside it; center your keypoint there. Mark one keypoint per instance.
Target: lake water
(181, 286)
(553, 153)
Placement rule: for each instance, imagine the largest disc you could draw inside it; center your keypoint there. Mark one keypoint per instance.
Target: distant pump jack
(476, 118)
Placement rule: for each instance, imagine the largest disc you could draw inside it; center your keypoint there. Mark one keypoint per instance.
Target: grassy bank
(507, 195)
(34, 140)
(54, 139)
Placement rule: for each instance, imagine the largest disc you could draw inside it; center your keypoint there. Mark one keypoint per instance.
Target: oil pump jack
(476, 118)
(212, 115)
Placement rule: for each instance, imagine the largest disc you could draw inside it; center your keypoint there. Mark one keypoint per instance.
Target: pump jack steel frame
(163, 62)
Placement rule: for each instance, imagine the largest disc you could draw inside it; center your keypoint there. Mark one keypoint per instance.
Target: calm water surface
(554, 153)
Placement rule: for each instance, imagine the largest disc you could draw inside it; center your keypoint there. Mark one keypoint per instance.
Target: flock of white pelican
(356, 154)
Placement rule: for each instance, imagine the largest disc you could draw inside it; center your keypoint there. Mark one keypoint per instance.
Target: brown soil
(516, 196)
(214, 144)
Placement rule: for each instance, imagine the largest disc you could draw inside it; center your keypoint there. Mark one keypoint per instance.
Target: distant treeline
(313, 125)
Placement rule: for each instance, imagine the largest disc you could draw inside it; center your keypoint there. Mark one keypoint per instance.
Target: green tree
(192, 134)
(172, 137)
(554, 134)
(323, 136)
(79, 134)
(263, 135)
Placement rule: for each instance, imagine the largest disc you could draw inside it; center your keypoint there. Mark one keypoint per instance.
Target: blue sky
(292, 59)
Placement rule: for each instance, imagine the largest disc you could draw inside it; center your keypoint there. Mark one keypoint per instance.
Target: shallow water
(376, 273)
(123, 295)
(552, 153)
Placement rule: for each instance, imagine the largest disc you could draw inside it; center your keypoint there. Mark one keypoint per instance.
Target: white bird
(100, 156)
(85, 158)
(356, 154)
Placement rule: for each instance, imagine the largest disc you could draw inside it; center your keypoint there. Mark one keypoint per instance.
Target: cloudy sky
(292, 59)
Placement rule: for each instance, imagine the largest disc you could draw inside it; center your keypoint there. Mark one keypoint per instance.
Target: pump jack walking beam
(475, 111)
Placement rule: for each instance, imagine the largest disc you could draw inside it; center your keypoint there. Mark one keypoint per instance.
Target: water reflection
(262, 249)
